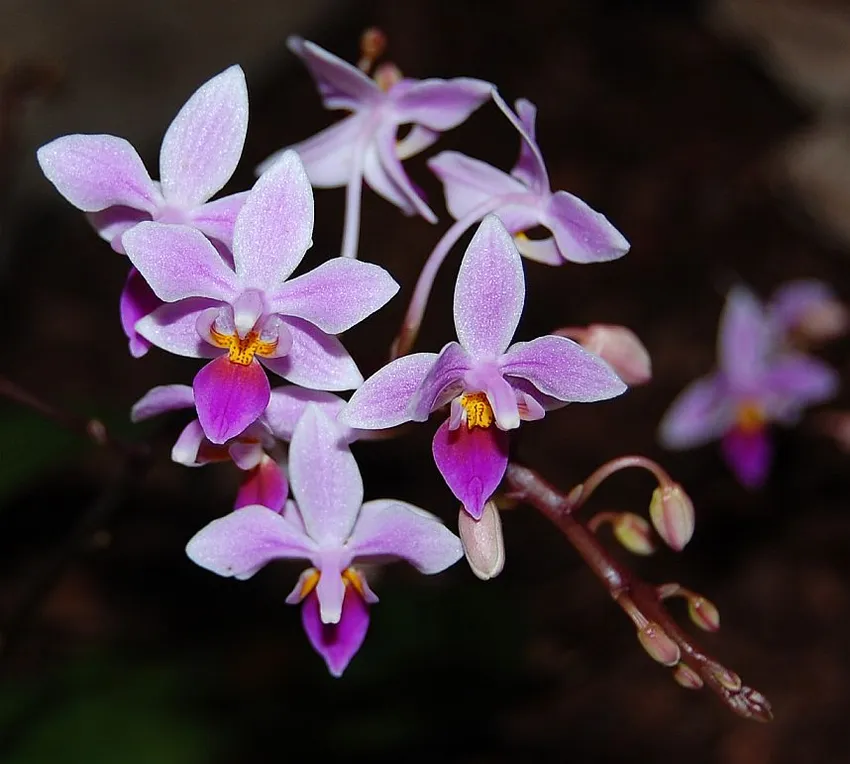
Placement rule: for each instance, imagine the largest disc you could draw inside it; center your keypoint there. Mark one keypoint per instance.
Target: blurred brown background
(714, 135)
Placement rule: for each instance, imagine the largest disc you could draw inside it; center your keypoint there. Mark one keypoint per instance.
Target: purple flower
(365, 146)
(756, 383)
(250, 311)
(327, 524)
(104, 176)
(490, 384)
(809, 311)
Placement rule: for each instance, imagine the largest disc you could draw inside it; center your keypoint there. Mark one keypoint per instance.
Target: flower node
(242, 350)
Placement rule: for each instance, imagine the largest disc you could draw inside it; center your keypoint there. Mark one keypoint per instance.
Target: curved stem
(583, 492)
(353, 194)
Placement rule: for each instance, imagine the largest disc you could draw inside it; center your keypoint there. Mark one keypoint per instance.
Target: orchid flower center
(479, 413)
(242, 350)
(750, 417)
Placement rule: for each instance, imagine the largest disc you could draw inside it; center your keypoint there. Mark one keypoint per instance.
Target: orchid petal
(377, 177)
(385, 398)
(528, 169)
(443, 382)
(202, 146)
(112, 222)
(186, 449)
(385, 142)
(173, 327)
(246, 452)
(289, 402)
(324, 478)
(416, 141)
(341, 85)
(241, 543)
(563, 369)
(796, 381)
(337, 643)
(330, 590)
(489, 292)
(137, 301)
(229, 397)
(335, 296)
(502, 399)
(273, 230)
(217, 219)
(265, 485)
(540, 250)
(744, 340)
(441, 104)
(582, 234)
(748, 455)
(179, 262)
(702, 412)
(316, 360)
(472, 462)
(161, 399)
(395, 529)
(94, 172)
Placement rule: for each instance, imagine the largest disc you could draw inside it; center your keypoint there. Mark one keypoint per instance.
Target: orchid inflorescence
(212, 279)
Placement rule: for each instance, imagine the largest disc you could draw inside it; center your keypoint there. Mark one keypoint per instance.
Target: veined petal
(468, 183)
(265, 485)
(387, 528)
(94, 172)
(179, 262)
(172, 327)
(744, 340)
(748, 454)
(274, 228)
(216, 219)
(489, 292)
(472, 462)
(703, 411)
(324, 478)
(288, 404)
(203, 144)
(582, 234)
(563, 369)
(315, 360)
(443, 382)
(241, 543)
(137, 301)
(337, 643)
(384, 400)
(341, 85)
(796, 381)
(385, 142)
(161, 399)
(441, 104)
(528, 168)
(335, 296)
(229, 397)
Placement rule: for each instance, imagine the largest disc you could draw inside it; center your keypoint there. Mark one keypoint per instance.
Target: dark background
(680, 127)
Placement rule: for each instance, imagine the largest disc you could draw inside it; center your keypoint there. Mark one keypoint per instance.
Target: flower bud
(704, 613)
(672, 514)
(658, 644)
(617, 345)
(483, 543)
(632, 531)
(687, 677)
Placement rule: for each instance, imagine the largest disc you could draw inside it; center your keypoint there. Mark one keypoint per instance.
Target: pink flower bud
(687, 677)
(672, 514)
(483, 543)
(658, 644)
(633, 532)
(704, 613)
(617, 345)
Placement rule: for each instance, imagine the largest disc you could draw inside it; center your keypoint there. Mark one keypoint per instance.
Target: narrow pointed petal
(137, 301)
(744, 339)
(94, 172)
(563, 369)
(443, 382)
(337, 643)
(377, 177)
(202, 146)
(387, 528)
(385, 141)
(341, 85)
(187, 447)
(489, 292)
(288, 404)
(796, 381)
(241, 543)
(217, 219)
(265, 485)
(442, 104)
(335, 296)
(179, 262)
(324, 478)
(275, 226)
(173, 327)
(469, 183)
(540, 250)
(161, 399)
(702, 412)
(416, 141)
(384, 400)
(472, 462)
(315, 360)
(528, 169)
(112, 222)
(748, 455)
(582, 234)
(229, 397)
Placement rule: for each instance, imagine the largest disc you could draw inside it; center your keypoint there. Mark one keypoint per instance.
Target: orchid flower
(365, 145)
(329, 525)
(808, 310)
(490, 384)
(250, 311)
(523, 200)
(104, 176)
(756, 383)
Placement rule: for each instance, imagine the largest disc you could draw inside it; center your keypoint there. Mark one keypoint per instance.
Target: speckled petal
(582, 234)
(160, 399)
(173, 327)
(217, 219)
(289, 402)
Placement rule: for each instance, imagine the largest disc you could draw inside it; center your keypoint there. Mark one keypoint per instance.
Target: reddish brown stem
(638, 599)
